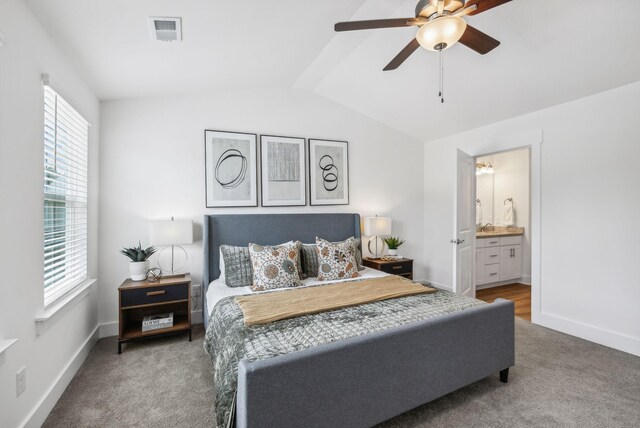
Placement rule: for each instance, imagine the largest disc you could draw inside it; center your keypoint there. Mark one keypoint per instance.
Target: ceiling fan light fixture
(441, 33)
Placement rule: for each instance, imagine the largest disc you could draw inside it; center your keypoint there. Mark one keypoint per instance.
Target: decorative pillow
(221, 264)
(309, 258)
(356, 248)
(238, 271)
(274, 266)
(336, 260)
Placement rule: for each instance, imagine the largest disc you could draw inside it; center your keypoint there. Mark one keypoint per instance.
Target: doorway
(503, 228)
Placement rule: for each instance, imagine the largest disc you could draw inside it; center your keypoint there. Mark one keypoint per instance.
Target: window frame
(65, 197)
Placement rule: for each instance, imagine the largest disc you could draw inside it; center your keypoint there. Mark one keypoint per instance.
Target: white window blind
(66, 137)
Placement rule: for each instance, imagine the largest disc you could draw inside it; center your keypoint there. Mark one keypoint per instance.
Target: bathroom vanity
(499, 255)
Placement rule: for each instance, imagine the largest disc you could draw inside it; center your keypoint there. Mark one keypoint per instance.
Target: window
(66, 135)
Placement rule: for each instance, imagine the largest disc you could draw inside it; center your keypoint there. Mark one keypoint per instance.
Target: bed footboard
(365, 380)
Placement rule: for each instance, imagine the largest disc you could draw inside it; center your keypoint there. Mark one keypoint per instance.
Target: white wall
(152, 167)
(590, 206)
(29, 52)
(510, 180)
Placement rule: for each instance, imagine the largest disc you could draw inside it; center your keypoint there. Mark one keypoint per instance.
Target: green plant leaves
(393, 242)
(138, 254)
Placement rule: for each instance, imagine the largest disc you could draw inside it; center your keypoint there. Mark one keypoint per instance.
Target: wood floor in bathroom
(520, 294)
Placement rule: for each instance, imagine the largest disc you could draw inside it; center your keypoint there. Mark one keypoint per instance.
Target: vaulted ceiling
(551, 52)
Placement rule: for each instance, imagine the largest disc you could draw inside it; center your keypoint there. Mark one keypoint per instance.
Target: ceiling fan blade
(403, 55)
(484, 5)
(376, 23)
(478, 41)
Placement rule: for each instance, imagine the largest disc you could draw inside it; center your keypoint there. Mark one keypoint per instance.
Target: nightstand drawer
(150, 295)
(397, 268)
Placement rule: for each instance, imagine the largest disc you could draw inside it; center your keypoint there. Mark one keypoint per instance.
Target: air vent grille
(165, 29)
(164, 25)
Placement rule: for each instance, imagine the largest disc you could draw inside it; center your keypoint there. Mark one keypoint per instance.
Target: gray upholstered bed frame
(364, 380)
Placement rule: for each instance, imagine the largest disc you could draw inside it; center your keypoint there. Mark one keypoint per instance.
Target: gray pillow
(238, 271)
(309, 259)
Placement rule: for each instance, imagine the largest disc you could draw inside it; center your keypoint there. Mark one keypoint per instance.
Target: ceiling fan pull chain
(441, 93)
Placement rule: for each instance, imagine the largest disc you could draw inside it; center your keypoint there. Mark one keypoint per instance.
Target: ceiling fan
(440, 26)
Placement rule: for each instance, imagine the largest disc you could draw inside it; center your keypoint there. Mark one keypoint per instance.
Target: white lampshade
(441, 33)
(377, 226)
(171, 232)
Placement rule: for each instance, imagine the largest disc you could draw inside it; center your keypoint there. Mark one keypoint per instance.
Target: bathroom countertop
(501, 231)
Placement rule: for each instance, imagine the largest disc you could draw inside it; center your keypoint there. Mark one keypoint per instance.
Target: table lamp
(171, 234)
(376, 227)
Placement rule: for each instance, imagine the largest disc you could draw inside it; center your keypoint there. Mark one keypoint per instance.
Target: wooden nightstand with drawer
(402, 267)
(138, 299)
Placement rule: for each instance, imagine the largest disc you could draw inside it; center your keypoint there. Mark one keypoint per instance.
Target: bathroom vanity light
(484, 168)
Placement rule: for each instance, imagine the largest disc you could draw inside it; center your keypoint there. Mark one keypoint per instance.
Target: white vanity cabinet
(498, 259)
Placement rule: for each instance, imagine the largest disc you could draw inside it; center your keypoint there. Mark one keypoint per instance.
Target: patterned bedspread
(228, 340)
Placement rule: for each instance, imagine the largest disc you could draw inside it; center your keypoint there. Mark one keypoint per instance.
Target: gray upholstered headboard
(268, 229)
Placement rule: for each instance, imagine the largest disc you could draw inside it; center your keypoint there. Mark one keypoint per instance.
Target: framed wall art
(284, 172)
(231, 169)
(328, 172)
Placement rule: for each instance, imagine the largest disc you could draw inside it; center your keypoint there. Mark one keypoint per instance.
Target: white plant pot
(138, 270)
(392, 252)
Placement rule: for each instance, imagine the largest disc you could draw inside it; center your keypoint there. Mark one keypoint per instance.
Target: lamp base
(375, 252)
(172, 261)
(175, 275)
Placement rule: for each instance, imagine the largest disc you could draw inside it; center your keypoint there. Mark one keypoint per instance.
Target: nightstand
(402, 267)
(138, 299)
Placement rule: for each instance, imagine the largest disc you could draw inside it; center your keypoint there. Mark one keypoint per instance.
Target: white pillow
(221, 265)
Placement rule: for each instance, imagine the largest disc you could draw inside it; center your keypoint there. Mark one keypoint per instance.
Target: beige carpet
(558, 381)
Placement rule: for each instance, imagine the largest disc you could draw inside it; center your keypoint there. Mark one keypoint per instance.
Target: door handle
(457, 241)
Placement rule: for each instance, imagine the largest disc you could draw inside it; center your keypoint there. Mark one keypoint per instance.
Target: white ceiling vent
(165, 29)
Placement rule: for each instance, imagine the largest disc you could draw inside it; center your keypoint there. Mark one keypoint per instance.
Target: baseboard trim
(500, 283)
(439, 285)
(109, 329)
(40, 412)
(589, 332)
(196, 317)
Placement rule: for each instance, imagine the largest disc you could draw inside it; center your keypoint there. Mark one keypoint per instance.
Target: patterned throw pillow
(238, 271)
(309, 258)
(336, 261)
(274, 266)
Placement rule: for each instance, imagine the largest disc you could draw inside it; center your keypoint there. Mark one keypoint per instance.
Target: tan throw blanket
(275, 306)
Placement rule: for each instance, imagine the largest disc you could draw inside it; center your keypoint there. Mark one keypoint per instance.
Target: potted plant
(393, 243)
(139, 261)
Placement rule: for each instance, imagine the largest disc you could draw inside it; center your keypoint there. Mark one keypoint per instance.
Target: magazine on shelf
(158, 321)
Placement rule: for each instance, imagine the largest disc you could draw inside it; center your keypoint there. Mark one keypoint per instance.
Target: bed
(362, 379)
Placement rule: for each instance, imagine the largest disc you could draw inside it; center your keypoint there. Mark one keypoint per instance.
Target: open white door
(464, 241)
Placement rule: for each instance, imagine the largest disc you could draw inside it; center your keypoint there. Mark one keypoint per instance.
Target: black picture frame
(270, 188)
(239, 150)
(325, 178)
